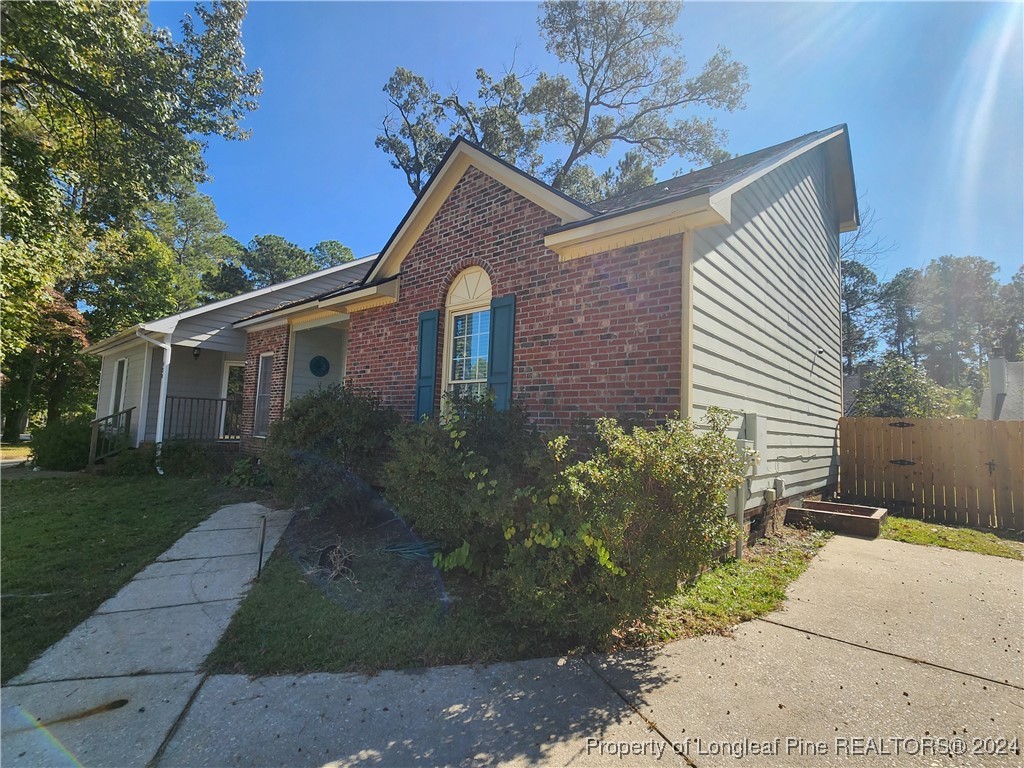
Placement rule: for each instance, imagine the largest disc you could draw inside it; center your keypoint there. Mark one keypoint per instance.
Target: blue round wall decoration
(319, 366)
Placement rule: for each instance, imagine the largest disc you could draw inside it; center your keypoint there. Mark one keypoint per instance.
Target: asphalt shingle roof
(702, 179)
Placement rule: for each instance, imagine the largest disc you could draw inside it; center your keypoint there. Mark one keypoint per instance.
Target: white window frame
(116, 407)
(256, 399)
(470, 292)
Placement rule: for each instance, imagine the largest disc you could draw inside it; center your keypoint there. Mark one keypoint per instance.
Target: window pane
(119, 372)
(261, 422)
(469, 349)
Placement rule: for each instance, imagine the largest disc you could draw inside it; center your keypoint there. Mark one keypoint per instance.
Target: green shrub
(247, 472)
(133, 462)
(62, 446)
(572, 545)
(455, 481)
(621, 529)
(328, 441)
(187, 458)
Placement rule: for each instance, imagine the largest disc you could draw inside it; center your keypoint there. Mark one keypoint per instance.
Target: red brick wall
(258, 342)
(593, 336)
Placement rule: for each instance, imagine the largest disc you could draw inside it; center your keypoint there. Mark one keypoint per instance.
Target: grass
(964, 539)
(12, 451)
(735, 591)
(392, 616)
(69, 543)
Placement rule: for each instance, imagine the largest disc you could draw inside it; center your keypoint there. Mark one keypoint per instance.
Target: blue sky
(933, 94)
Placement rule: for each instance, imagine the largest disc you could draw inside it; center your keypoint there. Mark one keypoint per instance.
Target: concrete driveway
(886, 654)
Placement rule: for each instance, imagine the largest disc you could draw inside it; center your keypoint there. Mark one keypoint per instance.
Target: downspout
(162, 404)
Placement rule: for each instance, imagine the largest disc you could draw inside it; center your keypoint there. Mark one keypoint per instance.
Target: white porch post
(161, 410)
(165, 370)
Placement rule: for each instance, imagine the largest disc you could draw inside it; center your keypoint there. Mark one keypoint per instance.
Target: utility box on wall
(755, 430)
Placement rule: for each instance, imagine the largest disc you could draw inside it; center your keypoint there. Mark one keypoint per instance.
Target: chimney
(997, 377)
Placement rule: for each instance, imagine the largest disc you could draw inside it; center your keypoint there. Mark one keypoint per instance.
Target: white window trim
(453, 310)
(256, 398)
(113, 385)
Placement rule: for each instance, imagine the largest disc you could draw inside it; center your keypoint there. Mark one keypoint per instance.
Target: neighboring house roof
(851, 386)
(1008, 407)
(697, 199)
(230, 310)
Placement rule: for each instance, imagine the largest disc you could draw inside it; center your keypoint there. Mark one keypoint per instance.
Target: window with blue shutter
(426, 366)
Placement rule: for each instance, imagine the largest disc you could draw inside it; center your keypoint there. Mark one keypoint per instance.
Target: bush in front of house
(62, 446)
(621, 528)
(574, 546)
(455, 480)
(326, 442)
(178, 458)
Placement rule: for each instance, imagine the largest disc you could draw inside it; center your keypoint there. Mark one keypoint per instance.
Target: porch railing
(203, 418)
(110, 435)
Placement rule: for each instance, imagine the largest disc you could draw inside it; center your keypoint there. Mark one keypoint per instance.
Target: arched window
(467, 334)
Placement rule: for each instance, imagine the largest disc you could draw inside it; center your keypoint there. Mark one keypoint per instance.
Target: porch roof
(211, 325)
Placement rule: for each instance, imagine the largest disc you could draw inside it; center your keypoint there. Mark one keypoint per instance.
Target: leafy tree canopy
(102, 113)
(899, 389)
(621, 84)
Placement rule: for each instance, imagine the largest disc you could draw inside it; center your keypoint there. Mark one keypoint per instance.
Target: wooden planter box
(841, 518)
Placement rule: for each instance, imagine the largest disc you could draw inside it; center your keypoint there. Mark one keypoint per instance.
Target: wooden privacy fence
(959, 471)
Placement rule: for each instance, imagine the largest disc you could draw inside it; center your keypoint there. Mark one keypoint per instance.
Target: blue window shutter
(426, 367)
(499, 357)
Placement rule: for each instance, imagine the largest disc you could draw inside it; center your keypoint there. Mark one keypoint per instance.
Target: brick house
(716, 288)
(719, 288)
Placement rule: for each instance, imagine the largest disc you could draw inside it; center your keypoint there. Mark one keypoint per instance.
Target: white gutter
(161, 408)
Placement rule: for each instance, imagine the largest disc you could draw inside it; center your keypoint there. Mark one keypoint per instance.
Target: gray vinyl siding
(189, 377)
(330, 342)
(136, 356)
(765, 298)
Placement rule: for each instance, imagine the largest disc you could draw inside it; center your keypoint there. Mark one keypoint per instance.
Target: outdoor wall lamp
(195, 352)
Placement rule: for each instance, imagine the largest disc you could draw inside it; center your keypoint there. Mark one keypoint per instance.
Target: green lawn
(69, 543)
(735, 591)
(964, 539)
(389, 615)
(11, 451)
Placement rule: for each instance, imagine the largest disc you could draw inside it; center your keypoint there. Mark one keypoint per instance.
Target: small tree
(899, 389)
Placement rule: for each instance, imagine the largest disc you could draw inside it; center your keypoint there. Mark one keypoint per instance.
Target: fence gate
(958, 471)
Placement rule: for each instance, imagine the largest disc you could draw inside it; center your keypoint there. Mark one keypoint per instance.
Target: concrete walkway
(110, 692)
(883, 648)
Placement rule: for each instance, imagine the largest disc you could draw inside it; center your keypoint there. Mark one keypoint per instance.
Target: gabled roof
(460, 155)
(703, 198)
(697, 199)
(702, 179)
(355, 270)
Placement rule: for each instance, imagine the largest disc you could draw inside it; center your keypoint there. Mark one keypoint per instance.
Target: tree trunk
(17, 421)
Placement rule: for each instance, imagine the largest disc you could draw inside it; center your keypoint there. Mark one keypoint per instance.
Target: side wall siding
(136, 355)
(257, 343)
(765, 299)
(594, 336)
